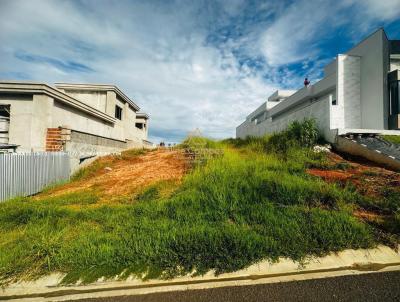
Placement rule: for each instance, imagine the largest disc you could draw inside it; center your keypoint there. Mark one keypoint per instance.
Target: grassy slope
(231, 211)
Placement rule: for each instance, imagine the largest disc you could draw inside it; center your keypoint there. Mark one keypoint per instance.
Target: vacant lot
(116, 178)
(239, 202)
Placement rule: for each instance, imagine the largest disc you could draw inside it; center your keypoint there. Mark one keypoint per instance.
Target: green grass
(236, 209)
(89, 171)
(395, 139)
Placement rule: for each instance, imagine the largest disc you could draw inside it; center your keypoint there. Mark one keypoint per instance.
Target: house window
(334, 102)
(395, 98)
(5, 111)
(118, 112)
(139, 125)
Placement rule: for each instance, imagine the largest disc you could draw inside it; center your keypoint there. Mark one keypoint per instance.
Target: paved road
(365, 287)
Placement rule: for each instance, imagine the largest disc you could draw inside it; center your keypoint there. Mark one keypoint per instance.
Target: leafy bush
(298, 135)
(305, 132)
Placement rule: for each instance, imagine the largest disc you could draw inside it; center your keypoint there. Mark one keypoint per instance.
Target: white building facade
(360, 93)
(86, 119)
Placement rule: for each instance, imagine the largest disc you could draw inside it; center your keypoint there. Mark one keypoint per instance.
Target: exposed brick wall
(54, 140)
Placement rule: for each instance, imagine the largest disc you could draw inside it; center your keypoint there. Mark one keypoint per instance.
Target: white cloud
(290, 38)
(294, 35)
(159, 55)
(380, 10)
(161, 61)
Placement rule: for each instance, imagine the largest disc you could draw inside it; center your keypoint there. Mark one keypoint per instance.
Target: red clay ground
(127, 175)
(367, 178)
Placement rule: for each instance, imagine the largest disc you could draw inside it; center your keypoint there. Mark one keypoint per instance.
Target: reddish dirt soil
(125, 176)
(331, 176)
(367, 178)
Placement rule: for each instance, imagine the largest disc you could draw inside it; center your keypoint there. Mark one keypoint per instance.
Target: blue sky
(188, 64)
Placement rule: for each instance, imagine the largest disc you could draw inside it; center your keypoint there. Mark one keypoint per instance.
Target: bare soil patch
(367, 179)
(125, 176)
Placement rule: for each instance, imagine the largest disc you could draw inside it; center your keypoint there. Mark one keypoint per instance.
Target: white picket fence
(23, 174)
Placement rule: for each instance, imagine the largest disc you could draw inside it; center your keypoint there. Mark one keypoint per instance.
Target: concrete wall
(110, 103)
(95, 99)
(66, 116)
(373, 67)
(42, 116)
(142, 133)
(29, 120)
(21, 108)
(84, 144)
(318, 109)
(348, 91)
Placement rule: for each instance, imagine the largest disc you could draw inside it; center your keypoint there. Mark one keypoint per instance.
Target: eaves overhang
(142, 115)
(41, 88)
(99, 87)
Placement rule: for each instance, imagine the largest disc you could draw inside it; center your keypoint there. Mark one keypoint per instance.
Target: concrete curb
(347, 262)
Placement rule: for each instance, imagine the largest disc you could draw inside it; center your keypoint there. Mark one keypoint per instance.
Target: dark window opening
(259, 118)
(5, 111)
(334, 102)
(139, 125)
(395, 98)
(118, 112)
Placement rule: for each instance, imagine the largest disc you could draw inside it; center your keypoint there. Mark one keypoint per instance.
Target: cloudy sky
(189, 64)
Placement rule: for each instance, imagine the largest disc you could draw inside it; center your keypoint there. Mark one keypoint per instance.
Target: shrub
(305, 132)
(298, 135)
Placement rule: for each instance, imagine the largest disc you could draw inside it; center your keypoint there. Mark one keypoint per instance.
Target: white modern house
(83, 119)
(360, 93)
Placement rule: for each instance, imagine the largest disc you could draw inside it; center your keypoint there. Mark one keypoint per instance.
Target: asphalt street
(365, 287)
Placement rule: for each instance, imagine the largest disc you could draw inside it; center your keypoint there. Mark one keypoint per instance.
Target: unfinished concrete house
(83, 119)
